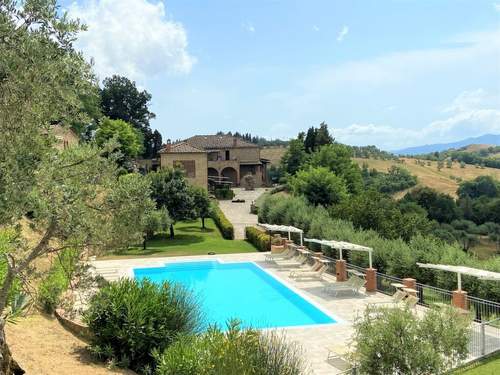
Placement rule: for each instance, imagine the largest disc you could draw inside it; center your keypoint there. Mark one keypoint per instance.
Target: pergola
(461, 270)
(341, 245)
(284, 228)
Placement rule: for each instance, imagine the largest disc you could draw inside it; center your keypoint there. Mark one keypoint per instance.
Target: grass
(489, 366)
(485, 249)
(444, 180)
(190, 239)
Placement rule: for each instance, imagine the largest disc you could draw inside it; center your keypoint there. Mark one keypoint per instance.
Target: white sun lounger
(353, 284)
(318, 274)
(296, 261)
(286, 254)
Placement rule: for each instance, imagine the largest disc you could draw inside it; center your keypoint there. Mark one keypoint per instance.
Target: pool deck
(314, 339)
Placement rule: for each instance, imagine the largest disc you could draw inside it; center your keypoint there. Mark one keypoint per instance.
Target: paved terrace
(314, 339)
(239, 213)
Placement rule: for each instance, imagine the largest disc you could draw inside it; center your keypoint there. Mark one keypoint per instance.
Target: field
(190, 239)
(444, 180)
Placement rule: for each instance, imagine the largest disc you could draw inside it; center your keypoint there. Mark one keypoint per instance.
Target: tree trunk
(203, 222)
(8, 366)
(144, 244)
(172, 231)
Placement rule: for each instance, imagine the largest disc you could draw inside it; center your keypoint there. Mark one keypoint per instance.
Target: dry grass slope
(443, 180)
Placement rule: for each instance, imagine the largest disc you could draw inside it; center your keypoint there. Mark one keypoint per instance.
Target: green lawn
(190, 239)
(490, 366)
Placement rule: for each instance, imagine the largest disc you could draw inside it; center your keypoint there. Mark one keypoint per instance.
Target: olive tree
(52, 200)
(397, 341)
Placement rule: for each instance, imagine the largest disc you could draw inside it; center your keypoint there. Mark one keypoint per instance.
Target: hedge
(261, 240)
(224, 225)
(394, 257)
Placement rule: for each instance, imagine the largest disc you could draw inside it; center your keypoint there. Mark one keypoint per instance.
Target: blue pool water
(239, 290)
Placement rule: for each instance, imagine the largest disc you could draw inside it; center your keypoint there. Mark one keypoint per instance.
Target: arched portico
(230, 175)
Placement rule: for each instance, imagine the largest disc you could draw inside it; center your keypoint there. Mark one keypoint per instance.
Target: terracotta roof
(181, 147)
(214, 142)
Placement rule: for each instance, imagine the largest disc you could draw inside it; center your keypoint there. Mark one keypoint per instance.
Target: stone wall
(200, 161)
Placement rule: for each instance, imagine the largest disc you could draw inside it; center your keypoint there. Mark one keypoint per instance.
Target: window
(188, 166)
(227, 155)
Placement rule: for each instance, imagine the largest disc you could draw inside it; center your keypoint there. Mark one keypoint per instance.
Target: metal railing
(485, 328)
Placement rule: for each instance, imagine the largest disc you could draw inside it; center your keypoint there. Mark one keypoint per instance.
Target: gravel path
(239, 213)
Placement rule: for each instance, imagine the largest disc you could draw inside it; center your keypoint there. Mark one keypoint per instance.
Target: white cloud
(342, 34)
(132, 37)
(248, 26)
(496, 6)
(472, 113)
(315, 28)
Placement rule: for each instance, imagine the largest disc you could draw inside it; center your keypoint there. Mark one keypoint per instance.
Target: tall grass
(234, 351)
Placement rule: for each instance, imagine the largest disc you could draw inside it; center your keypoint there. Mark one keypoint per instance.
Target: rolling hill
(487, 139)
(446, 180)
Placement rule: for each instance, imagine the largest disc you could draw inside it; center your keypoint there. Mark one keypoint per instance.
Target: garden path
(239, 213)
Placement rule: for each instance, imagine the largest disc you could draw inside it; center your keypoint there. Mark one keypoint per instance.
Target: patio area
(314, 339)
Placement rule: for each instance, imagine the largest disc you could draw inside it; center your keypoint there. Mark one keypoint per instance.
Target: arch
(212, 172)
(230, 174)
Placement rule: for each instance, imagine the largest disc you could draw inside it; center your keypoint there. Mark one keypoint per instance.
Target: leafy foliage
(130, 319)
(171, 191)
(57, 280)
(396, 179)
(261, 240)
(439, 206)
(201, 203)
(121, 100)
(129, 139)
(234, 351)
(396, 341)
(224, 225)
(319, 186)
(337, 158)
(295, 156)
(391, 256)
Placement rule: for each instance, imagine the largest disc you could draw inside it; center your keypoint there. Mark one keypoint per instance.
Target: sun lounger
(314, 268)
(339, 357)
(353, 284)
(286, 254)
(295, 262)
(409, 301)
(397, 297)
(318, 274)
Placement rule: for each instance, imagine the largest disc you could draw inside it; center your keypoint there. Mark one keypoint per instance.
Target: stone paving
(313, 339)
(239, 213)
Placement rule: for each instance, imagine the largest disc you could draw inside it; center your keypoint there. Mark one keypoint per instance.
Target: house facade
(216, 159)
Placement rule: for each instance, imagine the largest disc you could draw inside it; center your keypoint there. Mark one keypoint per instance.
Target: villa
(216, 158)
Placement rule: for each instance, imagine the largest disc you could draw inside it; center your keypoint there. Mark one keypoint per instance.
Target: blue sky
(391, 73)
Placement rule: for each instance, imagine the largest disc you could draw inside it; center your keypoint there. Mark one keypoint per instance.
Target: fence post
(459, 299)
(410, 283)
(340, 270)
(371, 280)
(483, 339)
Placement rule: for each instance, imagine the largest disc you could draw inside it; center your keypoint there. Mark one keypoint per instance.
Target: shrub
(57, 281)
(395, 341)
(395, 257)
(319, 185)
(130, 319)
(231, 352)
(224, 193)
(261, 240)
(224, 225)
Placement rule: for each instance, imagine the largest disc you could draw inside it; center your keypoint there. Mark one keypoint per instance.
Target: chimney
(168, 146)
(235, 140)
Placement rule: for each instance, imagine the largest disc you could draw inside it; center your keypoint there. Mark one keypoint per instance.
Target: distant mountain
(487, 139)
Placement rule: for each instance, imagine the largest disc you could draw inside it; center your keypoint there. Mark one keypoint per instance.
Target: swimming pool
(239, 290)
